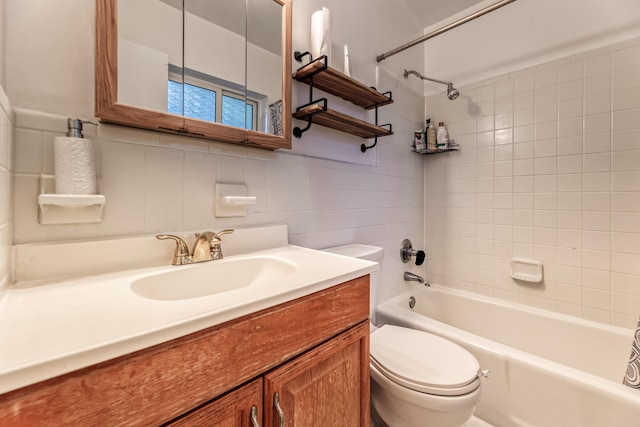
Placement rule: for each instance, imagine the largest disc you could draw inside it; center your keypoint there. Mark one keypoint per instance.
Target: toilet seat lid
(423, 362)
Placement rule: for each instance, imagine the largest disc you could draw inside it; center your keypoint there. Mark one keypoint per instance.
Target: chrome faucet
(206, 248)
(410, 277)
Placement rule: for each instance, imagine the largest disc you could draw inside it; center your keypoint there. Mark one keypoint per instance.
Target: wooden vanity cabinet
(325, 386)
(231, 410)
(312, 351)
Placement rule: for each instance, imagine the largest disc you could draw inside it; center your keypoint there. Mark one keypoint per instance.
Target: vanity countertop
(48, 328)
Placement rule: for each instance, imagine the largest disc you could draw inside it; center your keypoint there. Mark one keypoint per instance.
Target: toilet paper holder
(67, 208)
(407, 251)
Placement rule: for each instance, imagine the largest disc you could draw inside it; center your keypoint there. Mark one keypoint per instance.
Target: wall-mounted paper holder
(527, 270)
(67, 208)
(232, 200)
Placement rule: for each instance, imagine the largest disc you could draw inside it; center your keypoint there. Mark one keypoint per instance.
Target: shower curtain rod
(444, 29)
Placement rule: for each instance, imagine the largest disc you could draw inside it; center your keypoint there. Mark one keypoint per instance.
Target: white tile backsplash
(165, 183)
(574, 198)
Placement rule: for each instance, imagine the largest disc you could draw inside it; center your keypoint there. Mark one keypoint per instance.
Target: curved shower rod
(444, 29)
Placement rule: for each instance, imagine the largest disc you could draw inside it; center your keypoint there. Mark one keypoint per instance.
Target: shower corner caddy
(317, 74)
(452, 147)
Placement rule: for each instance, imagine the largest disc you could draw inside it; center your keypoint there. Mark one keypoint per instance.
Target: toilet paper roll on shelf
(321, 33)
(75, 165)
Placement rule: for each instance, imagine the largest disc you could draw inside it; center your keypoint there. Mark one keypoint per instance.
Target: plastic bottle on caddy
(417, 140)
(443, 137)
(431, 137)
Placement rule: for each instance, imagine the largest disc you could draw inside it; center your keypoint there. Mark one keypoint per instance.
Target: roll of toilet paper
(75, 165)
(321, 33)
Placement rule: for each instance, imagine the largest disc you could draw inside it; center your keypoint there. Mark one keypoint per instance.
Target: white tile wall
(549, 169)
(156, 182)
(5, 189)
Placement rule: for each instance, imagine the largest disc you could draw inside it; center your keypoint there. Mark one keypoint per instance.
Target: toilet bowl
(417, 378)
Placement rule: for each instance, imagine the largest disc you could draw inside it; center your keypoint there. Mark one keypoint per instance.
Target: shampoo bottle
(443, 137)
(431, 137)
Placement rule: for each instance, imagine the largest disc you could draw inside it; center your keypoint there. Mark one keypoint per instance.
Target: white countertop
(48, 329)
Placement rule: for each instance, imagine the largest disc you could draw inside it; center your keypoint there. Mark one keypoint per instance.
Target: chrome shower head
(452, 92)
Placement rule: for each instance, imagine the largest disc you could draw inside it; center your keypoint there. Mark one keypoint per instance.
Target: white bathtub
(547, 369)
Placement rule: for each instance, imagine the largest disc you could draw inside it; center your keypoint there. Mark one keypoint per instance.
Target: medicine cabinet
(213, 69)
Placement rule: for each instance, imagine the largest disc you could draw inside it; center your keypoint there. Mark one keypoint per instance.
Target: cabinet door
(233, 409)
(327, 386)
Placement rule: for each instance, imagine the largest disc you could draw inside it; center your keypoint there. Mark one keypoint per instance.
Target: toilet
(417, 379)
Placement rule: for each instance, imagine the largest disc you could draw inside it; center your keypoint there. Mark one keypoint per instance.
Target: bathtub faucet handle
(407, 251)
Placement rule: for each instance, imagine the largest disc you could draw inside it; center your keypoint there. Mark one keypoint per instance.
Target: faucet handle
(219, 234)
(181, 254)
(216, 248)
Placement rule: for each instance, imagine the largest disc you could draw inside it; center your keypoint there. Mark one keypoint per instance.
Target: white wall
(5, 189)
(549, 169)
(3, 82)
(49, 56)
(157, 182)
(6, 200)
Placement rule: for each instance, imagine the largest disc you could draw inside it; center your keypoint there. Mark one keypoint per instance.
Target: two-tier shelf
(317, 74)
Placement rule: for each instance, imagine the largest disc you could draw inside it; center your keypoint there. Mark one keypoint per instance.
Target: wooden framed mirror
(133, 52)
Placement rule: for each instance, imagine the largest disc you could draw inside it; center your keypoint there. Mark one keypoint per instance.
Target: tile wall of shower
(549, 169)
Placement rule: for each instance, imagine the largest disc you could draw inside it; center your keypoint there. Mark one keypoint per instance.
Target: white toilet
(417, 379)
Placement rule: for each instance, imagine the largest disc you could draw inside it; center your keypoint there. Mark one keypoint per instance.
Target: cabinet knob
(276, 404)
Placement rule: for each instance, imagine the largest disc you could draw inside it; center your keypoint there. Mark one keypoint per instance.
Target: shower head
(452, 93)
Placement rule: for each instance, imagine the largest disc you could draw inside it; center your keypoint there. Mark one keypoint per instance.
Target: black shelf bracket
(364, 147)
(297, 131)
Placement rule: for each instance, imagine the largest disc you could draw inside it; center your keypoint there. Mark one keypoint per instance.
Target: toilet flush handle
(485, 373)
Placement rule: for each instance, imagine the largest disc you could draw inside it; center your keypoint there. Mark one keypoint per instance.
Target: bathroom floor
(473, 422)
(476, 422)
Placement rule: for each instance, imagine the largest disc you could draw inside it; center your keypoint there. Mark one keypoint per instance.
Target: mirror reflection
(213, 60)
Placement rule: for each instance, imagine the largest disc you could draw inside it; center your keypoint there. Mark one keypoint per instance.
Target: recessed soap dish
(527, 270)
(232, 200)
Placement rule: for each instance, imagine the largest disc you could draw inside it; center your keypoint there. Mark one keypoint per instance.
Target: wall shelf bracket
(364, 147)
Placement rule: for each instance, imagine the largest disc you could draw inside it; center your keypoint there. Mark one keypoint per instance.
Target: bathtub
(547, 369)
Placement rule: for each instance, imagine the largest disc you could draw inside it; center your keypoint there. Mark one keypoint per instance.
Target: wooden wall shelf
(317, 74)
(334, 82)
(341, 122)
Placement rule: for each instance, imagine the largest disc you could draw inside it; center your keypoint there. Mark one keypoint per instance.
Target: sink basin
(212, 277)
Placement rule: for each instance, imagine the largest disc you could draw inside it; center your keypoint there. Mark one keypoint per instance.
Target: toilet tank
(370, 253)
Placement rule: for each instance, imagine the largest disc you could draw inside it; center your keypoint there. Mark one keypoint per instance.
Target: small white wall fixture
(67, 208)
(232, 200)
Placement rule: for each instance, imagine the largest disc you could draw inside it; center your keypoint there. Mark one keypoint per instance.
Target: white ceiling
(428, 12)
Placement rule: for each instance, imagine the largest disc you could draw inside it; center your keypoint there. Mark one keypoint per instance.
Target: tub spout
(410, 277)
